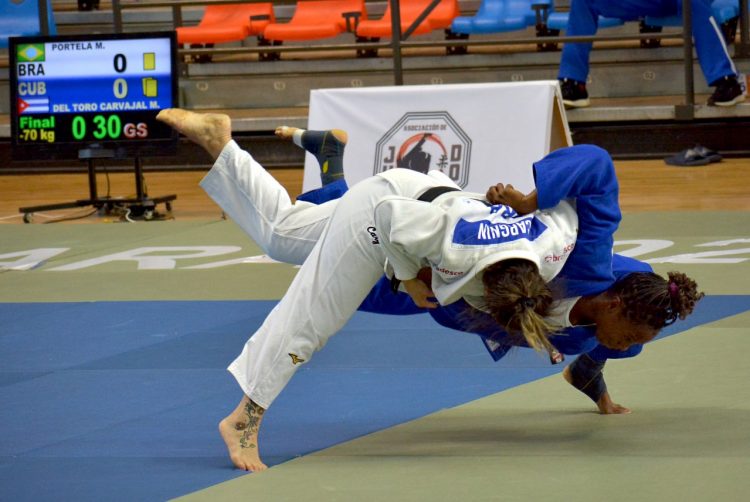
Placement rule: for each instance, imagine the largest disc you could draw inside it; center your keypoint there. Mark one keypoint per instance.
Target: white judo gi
(344, 244)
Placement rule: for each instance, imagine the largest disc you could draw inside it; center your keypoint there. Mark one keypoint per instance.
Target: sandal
(689, 157)
(711, 155)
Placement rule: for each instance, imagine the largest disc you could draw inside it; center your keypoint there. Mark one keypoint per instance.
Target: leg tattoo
(240, 433)
(250, 428)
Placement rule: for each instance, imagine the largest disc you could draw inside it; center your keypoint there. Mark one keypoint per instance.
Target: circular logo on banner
(425, 141)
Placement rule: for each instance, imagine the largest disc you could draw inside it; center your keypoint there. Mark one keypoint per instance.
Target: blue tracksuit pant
(584, 14)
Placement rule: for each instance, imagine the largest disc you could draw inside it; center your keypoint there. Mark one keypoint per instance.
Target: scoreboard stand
(141, 205)
(91, 97)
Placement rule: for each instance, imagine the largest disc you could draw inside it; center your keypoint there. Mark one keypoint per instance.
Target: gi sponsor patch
(373, 233)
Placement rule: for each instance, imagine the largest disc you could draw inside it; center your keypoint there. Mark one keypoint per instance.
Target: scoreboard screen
(92, 92)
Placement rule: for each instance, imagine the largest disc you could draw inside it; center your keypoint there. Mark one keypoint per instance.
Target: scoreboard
(83, 92)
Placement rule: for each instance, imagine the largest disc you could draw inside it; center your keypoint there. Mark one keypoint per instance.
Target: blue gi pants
(584, 15)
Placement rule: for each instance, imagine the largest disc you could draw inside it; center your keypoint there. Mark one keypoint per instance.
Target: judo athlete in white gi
(613, 304)
(378, 220)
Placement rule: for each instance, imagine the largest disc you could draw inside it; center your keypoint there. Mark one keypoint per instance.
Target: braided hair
(518, 299)
(649, 299)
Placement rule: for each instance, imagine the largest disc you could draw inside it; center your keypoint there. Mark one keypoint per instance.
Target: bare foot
(240, 433)
(608, 407)
(285, 132)
(212, 131)
(340, 135)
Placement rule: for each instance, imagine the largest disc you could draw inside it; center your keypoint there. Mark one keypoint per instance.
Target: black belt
(428, 196)
(435, 192)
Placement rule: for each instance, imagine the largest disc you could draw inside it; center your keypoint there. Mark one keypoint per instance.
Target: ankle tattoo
(254, 415)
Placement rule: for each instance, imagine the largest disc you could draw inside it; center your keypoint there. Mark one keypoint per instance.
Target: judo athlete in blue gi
(489, 256)
(596, 284)
(717, 66)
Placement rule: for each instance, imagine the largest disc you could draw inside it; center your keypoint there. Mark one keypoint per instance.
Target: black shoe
(728, 92)
(574, 93)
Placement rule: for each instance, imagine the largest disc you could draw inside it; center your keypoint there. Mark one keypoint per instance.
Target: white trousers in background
(345, 261)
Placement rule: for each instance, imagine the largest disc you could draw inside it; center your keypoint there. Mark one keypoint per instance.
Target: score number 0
(120, 87)
(111, 126)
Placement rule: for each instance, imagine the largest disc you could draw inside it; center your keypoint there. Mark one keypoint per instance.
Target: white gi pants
(345, 261)
(286, 231)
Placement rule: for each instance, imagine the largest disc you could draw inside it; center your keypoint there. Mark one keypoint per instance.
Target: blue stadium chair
(726, 13)
(559, 21)
(495, 16)
(551, 23)
(21, 18)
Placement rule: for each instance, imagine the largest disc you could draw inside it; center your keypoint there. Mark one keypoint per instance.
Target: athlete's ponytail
(654, 301)
(518, 299)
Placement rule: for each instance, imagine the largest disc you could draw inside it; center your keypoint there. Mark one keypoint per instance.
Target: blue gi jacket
(586, 174)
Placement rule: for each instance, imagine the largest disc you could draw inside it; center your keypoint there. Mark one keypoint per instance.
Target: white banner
(478, 134)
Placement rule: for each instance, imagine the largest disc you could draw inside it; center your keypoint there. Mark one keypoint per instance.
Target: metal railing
(743, 49)
(686, 110)
(399, 40)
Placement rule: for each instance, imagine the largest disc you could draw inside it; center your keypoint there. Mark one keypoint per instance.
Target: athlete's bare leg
(240, 433)
(212, 131)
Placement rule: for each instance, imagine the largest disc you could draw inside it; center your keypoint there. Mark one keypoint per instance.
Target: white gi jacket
(459, 234)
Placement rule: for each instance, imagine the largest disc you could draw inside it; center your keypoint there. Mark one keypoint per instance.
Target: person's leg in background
(583, 21)
(713, 57)
(574, 63)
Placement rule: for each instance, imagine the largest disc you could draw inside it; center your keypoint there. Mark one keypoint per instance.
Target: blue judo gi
(583, 21)
(582, 172)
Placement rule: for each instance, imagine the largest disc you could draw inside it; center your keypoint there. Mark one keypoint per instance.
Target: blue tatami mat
(120, 400)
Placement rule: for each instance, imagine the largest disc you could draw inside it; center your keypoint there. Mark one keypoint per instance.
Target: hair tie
(524, 303)
(674, 296)
(674, 290)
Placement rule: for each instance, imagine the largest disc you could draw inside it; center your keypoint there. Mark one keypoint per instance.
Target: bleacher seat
(228, 23)
(554, 22)
(439, 18)
(496, 16)
(726, 13)
(559, 21)
(21, 18)
(316, 19)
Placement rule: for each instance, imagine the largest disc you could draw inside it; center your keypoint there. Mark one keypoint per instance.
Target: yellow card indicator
(149, 87)
(149, 61)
